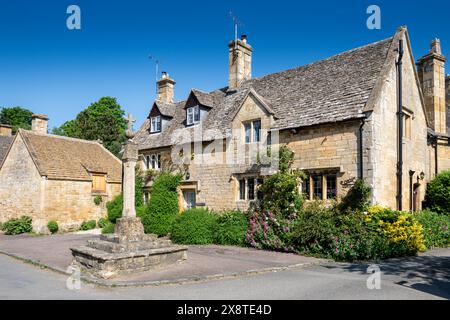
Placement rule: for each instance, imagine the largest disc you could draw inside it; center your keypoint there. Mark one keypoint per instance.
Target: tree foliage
(438, 193)
(17, 117)
(102, 120)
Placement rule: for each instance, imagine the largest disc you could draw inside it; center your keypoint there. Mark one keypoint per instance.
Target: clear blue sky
(55, 71)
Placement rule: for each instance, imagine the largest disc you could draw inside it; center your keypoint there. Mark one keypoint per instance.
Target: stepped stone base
(128, 250)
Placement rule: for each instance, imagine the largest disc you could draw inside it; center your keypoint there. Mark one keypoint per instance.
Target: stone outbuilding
(340, 116)
(50, 177)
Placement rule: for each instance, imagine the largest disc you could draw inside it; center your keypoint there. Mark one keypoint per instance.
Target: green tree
(17, 117)
(102, 120)
(67, 129)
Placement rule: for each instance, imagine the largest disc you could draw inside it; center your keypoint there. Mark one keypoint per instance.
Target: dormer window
(192, 115)
(155, 124)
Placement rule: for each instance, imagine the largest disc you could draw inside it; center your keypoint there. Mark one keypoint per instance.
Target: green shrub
(108, 227)
(52, 226)
(88, 225)
(357, 198)
(102, 222)
(18, 226)
(114, 208)
(1, 226)
(163, 206)
(268, 231)
(280, 191)
(353, 240)
(231, 228)
(436, 228)
(314, 229)
(98, 200)
(437, 196)
(194, 226)
(138, 188)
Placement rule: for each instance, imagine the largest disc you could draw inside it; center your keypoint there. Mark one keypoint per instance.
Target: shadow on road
(427, 273)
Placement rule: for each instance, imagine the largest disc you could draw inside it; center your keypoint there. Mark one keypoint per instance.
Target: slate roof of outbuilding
(5, 142)
(66, 158)
(330, 90)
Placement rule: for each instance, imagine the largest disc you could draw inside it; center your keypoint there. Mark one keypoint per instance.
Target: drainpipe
(361, 155)
(411, 174)
(436, 156)
(400, 127)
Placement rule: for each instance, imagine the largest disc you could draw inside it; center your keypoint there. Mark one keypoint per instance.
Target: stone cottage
(49, 177)
(339, 115)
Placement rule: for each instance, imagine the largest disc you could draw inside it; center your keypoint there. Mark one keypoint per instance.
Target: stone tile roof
(166, 109)
(70, 159)
(330, 90)
(5, 142)
(204, 98)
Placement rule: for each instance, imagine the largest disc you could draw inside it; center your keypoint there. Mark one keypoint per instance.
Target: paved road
(423, 277)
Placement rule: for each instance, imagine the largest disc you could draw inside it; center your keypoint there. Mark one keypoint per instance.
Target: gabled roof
(5, 143)
(66, 158)
(205, 99)
(330, 90)
(166, 109)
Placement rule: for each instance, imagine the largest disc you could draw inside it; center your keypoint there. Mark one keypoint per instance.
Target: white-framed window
(155, 124)
(192, 115)
(252, 131)
(153, 161)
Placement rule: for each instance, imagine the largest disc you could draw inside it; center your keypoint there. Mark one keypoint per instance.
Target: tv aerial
(237, 23)
(157, 62)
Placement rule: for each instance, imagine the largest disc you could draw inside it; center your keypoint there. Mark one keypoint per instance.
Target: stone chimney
(165, 88)
(39, 123)
(5, 130)
(431, 71)
(239, 62)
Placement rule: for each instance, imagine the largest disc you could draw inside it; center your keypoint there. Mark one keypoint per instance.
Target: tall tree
(102, 120)
(17, 117)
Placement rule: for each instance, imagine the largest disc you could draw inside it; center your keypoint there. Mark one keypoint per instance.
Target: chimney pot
(244, 38)
(436, 46)
(39, 123)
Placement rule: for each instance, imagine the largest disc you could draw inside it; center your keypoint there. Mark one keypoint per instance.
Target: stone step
(117, 239)
(105, 265)
(114, 247)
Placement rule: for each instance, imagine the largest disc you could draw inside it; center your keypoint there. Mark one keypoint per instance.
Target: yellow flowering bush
(374, 209)
(401, 230)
